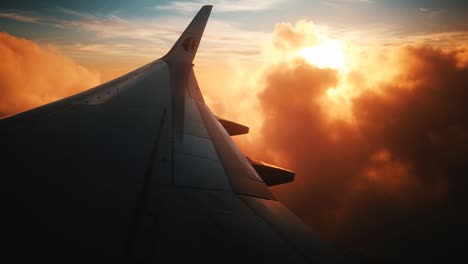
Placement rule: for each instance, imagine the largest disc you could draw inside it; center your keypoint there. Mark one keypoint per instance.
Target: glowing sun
(327, 54)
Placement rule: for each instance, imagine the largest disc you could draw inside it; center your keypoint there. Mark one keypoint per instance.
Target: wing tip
(184, 49)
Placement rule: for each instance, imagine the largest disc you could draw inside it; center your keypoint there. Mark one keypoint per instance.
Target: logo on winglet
(190, 44)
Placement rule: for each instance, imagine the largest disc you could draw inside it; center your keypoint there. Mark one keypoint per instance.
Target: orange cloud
(381, 181)
(31, 75)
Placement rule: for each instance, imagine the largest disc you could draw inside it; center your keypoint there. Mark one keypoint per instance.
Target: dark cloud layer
(391, 184)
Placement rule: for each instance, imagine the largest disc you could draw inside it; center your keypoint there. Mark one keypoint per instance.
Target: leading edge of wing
(185, 48)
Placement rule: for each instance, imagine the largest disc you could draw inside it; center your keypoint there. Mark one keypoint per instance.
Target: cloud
(222, 6)
(287, 37)
(447, 40)
(19, 17)
(431, 14)
(343, 3)
(30, 19)
(31, 75)
(105, 26)
(146, 38)
(425, 10)
(389, 182)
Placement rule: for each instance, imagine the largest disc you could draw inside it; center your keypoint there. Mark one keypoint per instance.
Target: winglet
(184, 50)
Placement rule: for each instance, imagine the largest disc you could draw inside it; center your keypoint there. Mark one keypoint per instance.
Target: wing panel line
(142, 202)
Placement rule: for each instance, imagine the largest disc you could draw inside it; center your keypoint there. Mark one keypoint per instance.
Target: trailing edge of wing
(185, 48)
(271, 174)
(233, 128)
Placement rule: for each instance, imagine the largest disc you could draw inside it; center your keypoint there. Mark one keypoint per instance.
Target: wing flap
(233, 128)
(271, 174)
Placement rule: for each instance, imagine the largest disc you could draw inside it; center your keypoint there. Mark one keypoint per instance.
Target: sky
(102, 30)
(363, 99)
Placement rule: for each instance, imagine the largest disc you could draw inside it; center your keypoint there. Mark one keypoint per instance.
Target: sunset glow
(328, 54)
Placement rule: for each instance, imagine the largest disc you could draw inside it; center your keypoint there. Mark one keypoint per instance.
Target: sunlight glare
(328, 54)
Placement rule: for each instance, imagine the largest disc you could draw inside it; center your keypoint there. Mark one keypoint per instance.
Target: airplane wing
(139, 170)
